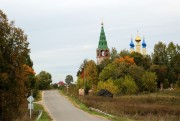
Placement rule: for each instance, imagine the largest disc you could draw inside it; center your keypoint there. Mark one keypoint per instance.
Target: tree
(109, 85)
(159, 56)
(128, 85)
(114, 53)
(149, 83)
(69, 79)
(171, 54)
(107, 72)
(136, 73)
(126, 59)
(14, 71)
(91, 73)
(103, 64)
(171, 51)
(124, 53)
(44, 80)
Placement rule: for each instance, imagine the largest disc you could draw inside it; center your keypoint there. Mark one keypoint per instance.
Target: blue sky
(62, 33)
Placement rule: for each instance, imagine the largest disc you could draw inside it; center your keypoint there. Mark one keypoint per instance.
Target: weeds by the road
(158, 106)
(45, 116)
(78, 103)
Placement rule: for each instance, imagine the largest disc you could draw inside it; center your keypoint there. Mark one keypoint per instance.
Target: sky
(62, 33)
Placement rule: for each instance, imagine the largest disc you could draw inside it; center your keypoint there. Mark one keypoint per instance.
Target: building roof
(102, 39)
(131, 44)
(144, 43)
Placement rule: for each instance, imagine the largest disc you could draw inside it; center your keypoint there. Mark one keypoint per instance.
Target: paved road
(61, 109)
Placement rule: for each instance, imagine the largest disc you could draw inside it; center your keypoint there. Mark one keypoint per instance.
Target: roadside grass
(159, 106)
(45, 116)
(37, 107)
(39, 96)
(78, 103)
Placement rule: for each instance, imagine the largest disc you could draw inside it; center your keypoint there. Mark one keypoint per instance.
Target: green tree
(161, 72)
(138, 59)
(107, 72)
(69, 79)
(114, 53)
(149, 83)
(171, 51)
(103, 64)
(109, 85)
(175, 65)
(44, 80)
(159, 57)
(128, 85)
(136, 73)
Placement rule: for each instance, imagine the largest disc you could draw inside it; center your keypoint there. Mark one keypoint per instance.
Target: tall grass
(164, 106)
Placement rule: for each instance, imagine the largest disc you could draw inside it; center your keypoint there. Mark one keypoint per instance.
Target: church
(103, 52)
(138, 45)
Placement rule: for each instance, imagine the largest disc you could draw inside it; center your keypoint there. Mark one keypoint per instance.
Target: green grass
(37, 107)
(39, 96)
(45, 116)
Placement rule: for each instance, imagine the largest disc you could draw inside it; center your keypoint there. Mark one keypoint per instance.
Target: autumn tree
(13, 69)
(124, 53)
(91, 73)
(126, 59)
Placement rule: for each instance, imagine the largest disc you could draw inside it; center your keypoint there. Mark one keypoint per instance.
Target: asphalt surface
(61, 109)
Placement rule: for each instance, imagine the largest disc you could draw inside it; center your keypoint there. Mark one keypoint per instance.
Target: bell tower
(102, 51)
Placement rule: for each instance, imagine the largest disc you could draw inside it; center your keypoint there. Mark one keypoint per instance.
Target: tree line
(132, 73)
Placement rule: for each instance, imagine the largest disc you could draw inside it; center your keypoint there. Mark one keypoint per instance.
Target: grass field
(160, 106)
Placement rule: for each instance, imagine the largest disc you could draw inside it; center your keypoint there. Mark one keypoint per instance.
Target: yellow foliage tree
(109, 85)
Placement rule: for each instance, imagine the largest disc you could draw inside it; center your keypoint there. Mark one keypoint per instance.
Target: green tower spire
(102, 39)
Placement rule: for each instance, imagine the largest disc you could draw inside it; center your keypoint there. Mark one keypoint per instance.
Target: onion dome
(144, 43)
(138, 39)
(131, 44)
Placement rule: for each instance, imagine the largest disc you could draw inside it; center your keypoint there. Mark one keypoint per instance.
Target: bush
(177, 85)
(109, 85)
(128, 86)
(149, 83)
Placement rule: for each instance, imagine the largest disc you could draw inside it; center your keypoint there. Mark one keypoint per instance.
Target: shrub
(128, 86)
(149, 83)
(109, 85)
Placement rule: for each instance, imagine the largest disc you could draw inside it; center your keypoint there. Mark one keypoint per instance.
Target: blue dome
(131, 44)
(143, 44)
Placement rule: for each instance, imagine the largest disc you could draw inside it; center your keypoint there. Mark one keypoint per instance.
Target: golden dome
(138, 39)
